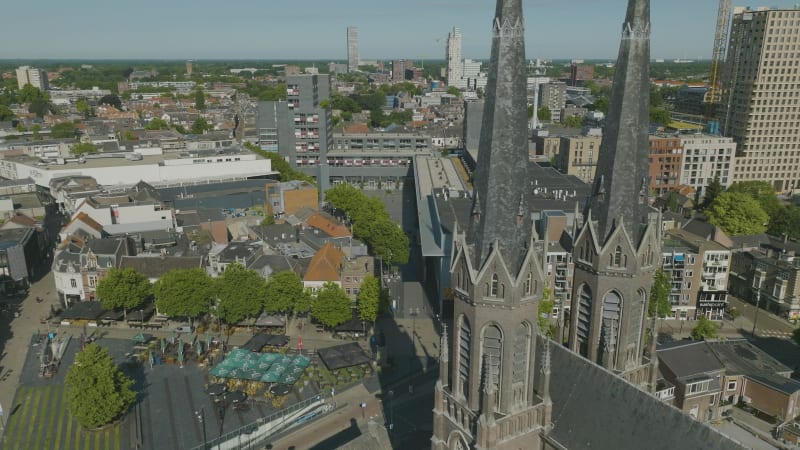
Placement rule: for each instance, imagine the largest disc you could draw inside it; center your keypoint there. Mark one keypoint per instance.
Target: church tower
(617, 248)
(488, 396)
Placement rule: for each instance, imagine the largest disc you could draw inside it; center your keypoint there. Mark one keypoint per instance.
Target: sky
(316, 29)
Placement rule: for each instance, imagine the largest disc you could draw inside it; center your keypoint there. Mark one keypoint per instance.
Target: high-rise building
(666, 156)
(502, 385)
(455, 68)
(553, 97)
(760, 90)
(189, 67)
(399, 67)
(33, 76)
(352, 49)
(706, 157)
(620, 238)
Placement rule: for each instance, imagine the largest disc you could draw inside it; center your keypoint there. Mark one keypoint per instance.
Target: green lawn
(42, 422)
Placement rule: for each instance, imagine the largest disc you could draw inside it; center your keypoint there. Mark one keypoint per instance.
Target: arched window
(495, 284)
(519, 370)
(528, 283)
(618, 256)
(609, 327)
(464, 346)
(492, 353)
(584, 319)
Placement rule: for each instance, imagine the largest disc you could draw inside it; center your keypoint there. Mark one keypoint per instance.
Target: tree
(82, 106)
(200, 126)
(184, 292)
(544, 113)
(673, 202)
(573, 121)
(452, 90)
(241, 294)
(97, 390)
(660, 116)
(705, 329)
(268, 220)
(29, 94)
(601, 104)
(111, 99)
(737, 213)
(545, 310)
(5, 113)
(40, 107)
(369, 298)
(332, 305)
(282, 291)
(712, 192)
(784, 222)
(82, 148)
(659, 305)
(63, 130)
(157, 123)
(123, 288)
(199, 100)
(762, 191)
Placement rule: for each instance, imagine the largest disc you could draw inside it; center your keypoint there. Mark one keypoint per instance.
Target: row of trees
(371, 223)
(280, 165)
(660, 306)
(238, 294)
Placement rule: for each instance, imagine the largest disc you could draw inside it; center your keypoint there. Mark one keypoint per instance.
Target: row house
(79, 265)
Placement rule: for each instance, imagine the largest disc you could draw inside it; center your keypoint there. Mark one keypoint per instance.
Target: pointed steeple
(622, 163)
(502, 168)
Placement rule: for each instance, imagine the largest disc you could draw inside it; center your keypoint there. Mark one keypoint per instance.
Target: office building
(352, 49)
(706, 157)
(33, 76)
(553, 96)
(760, 92)
(455, 68)
(399, 68)
(578, 154)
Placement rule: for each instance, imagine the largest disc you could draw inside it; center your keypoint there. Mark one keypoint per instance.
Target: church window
(495, 284)
(492, 352)
(522, 350)
(618, 256)
(528, 283)
(464, 344)
(584, 319)
(609, 327)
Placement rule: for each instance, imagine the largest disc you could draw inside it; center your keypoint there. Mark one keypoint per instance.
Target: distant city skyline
(579, 29)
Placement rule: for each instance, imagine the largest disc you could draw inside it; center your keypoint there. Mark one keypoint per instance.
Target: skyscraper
(455, 68)
(352, 49)
(616, 249)
(33, 76)
(760, 90)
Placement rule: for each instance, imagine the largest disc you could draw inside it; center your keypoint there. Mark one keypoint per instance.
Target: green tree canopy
(573, 121)
(785, 222)
(5, 113)
(659, 304)
(762, 192)
(157, 123)
(123, 288)
(97, 390)
(111, 99)
(184, 292)
(29, 94)
(82, 148)
(369, 298)
(331, 307)
(705, 329)
(660, 116)
(63, 130)
(241, 294)
(737, 213)
(452, 90)
(544, 113)
(712, 192)
(199, 100)
(200, 126)
(40, 107)
(545, 309)
(282, 291)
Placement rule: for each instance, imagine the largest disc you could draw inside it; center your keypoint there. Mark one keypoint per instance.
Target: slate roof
(593, 408)
(741, 357)
(689, 359)
(156, 266)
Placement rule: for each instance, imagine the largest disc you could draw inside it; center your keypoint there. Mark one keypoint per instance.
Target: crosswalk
(774, 333)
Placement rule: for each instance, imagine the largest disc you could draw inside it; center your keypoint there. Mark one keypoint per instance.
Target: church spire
(500, 180)
(622, 161)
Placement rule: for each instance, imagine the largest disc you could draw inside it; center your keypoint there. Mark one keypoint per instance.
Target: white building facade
(706, 157)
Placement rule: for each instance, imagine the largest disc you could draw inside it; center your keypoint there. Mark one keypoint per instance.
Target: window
(618, 256)
(495, 284)
(73, 283)
(731, 385)
(528, 284)
(92, 281)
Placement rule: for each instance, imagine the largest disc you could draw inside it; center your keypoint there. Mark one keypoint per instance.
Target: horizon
(582, 29)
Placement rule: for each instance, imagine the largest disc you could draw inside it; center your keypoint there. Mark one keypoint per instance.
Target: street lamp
(413, 312)
(755, 316)
(201, 417)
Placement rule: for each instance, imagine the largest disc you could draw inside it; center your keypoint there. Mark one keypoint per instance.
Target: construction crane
(720, 44)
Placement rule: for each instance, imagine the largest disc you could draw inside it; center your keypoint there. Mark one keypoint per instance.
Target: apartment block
(761, 89)
(578, 154)
(33, 76)
(706, 157)
(352, 49)
(666, 155)
(553, 95)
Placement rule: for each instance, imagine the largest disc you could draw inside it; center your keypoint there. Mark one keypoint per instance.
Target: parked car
(184, 329)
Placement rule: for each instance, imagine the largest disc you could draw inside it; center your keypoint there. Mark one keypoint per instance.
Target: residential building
(580, 72)
(768, 275)
(96, 258)
(325, 267)
(666, 160)
(758, 93)
(352, 49)
(578, 155)
(33, 76)
(455, 68)
(693, 379)
(698, 272)
(21, 250)
(553, 96)
(285, 199)
(706, 157)
(548, 146)
(354, 270)
(399, 67)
